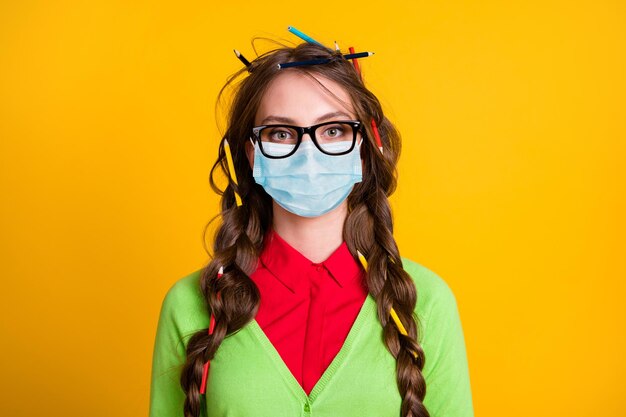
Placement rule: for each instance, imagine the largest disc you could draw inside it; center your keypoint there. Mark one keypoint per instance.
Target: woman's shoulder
(432, 290)
(184, 303)
(185, 290)
(441, 336)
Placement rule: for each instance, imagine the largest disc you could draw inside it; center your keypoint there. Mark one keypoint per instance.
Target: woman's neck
(316, 238)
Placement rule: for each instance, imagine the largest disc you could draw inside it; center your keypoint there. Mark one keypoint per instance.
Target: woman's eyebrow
(332, 115)
(288, 120)
(278, 119)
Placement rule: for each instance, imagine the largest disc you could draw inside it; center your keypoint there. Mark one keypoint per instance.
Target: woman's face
(308, 183)
(295, 99)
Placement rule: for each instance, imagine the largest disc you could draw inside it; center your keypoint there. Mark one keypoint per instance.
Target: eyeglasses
(332, 138)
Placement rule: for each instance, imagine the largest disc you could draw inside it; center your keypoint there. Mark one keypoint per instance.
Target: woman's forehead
(299, 97)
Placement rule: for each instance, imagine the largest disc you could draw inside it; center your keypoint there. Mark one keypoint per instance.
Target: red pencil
(205, 369)
(355, 61)
(377, 136)
(205, 373)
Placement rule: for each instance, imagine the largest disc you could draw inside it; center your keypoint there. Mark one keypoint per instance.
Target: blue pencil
(301, 35)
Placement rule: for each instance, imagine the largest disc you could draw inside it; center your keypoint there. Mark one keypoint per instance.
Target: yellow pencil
(396, 319)
(231, 169)
(394, 315)
(362, 259)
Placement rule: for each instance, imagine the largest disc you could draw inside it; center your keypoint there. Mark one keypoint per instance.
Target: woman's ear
(250, 153)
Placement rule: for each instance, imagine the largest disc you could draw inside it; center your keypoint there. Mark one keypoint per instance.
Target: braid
(238, 241)
(369, 229)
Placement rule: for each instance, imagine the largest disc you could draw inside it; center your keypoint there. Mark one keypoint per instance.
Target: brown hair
(368, 228)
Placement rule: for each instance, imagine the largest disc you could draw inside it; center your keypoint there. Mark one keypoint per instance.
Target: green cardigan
(248, 378)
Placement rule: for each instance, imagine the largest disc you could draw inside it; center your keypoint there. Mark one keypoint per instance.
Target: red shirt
(307, 309)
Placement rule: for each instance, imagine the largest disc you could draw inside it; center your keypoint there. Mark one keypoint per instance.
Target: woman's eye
(334, 132)
(280, 135)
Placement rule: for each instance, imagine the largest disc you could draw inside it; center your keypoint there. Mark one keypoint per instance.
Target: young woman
(288, 319)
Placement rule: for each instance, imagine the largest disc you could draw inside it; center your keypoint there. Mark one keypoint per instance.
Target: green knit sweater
(248, 378)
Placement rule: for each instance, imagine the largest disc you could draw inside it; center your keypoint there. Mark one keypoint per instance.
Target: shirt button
(307, 408)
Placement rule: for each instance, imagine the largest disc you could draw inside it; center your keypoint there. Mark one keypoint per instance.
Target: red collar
(285, 263)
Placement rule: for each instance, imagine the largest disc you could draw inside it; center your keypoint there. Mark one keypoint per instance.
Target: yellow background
(511, 183)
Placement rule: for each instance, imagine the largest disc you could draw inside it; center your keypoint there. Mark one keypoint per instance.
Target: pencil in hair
(242, 58)
(302, 36)
(231, 170)
(353, 55)
(301, 63)
(377, 136)
(355, 62)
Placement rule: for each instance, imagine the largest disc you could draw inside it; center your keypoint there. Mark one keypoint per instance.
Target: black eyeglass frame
(355, 124)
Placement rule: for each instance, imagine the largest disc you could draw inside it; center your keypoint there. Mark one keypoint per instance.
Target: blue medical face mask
(308, 183)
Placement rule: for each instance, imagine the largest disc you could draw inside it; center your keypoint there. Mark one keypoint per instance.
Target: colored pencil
(377, 136)
(362, 259)
(324, 60)
(353, 55)
(355, 62)
(301, 63)
(399, 324)
(231, 169)
(242, 58)
(205, 368)
(205, 375)
(302, 36)
(394, 315)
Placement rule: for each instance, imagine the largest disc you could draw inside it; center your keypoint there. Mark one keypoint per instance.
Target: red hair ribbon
(205, 370)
